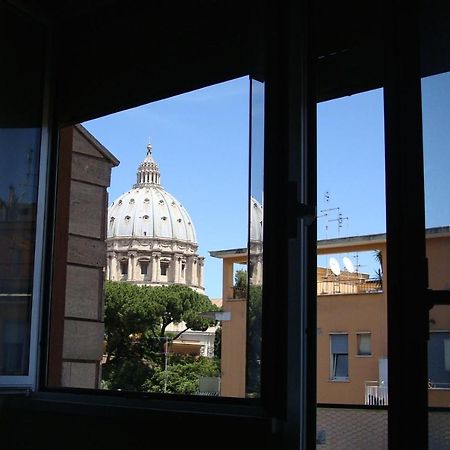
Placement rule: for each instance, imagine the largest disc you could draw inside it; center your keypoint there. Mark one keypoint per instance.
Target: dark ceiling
(120, 54)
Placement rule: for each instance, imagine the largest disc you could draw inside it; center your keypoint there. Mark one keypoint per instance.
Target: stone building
(151, 238)
(77, 302)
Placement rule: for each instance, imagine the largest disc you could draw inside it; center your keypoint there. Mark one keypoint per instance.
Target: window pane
(364, 344)
(156, 285)
(20, 135)
(255, 248)
(436, 136)
(341, 366)
(351, 295)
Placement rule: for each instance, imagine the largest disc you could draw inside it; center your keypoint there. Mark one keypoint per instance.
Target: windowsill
(334, 380)
(79, 401)
(364, 356)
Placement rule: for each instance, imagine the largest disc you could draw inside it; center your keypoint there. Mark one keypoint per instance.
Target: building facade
(352, 340)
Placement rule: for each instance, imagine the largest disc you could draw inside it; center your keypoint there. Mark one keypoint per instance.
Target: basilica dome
(150, 236)
(148, 210)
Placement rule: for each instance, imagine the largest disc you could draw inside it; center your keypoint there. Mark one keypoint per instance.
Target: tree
(378, 255)
(136, 321)
(182, 375)
(253, 293)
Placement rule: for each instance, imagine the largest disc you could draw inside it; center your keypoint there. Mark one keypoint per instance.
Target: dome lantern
(148, 171)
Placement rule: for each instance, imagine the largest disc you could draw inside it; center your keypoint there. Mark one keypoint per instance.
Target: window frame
(334, 359)
(358, 335)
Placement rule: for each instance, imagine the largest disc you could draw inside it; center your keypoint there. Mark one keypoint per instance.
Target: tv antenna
(340, 219)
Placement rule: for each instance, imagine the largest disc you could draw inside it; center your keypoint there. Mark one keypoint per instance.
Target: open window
(148, 307)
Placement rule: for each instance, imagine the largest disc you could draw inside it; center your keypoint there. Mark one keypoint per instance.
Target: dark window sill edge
(6, 392)
(110, 406)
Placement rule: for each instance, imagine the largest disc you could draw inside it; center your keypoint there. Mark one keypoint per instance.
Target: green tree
(254, 329)
(254, 332)
(136, 321)
(378, 255)
(182, 373)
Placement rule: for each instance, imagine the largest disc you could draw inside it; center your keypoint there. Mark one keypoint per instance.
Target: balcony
(376, 394)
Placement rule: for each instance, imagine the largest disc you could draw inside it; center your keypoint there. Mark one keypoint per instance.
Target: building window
(339, 356)
(439, 359)
(364, 343)
(144, 267)
(164, 266)
(124, 268)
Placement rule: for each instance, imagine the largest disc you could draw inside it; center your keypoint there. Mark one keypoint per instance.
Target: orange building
(352, 355)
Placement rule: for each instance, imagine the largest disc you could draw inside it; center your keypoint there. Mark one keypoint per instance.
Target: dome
(148, 210)
(256, 220)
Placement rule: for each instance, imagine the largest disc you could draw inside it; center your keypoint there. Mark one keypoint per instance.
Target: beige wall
(232, 382)
(340, 313)
(349, 314)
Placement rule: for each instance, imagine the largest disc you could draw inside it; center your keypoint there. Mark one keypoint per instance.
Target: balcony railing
(342, 286)
(376, 395)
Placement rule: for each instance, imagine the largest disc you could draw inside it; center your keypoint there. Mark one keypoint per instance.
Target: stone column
(177, 267)
(132, 261)
(113, 267)
(130, 267)
(194, 280)
(201, 267)
(108, 267)
(155, 267)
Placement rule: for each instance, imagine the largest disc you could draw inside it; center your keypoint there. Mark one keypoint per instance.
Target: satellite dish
(334, 266)
(348, 264)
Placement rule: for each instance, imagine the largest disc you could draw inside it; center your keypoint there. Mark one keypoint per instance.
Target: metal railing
(342, 286)
(375, 394)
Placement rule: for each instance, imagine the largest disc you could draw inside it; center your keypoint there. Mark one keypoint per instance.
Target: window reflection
(19, 150)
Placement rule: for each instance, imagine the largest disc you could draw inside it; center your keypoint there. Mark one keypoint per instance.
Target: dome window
(173, 203)
(112, 220)
(124, 269)
(145, 217)
(144, 267)
(120, 202)
(161, 201)
(131, 201)
(146, 200)
(164, 217)
(127, 218)
(164, 265)
(179, 220)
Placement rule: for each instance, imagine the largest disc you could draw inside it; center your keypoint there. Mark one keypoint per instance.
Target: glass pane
(436, 136)
(351, 299)
(255, 248)
(156, 283)
(20, 134)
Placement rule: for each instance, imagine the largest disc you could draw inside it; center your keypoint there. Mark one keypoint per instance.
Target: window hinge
(299, 210)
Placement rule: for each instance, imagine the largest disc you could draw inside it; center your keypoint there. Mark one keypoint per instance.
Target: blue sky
(200, 141)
